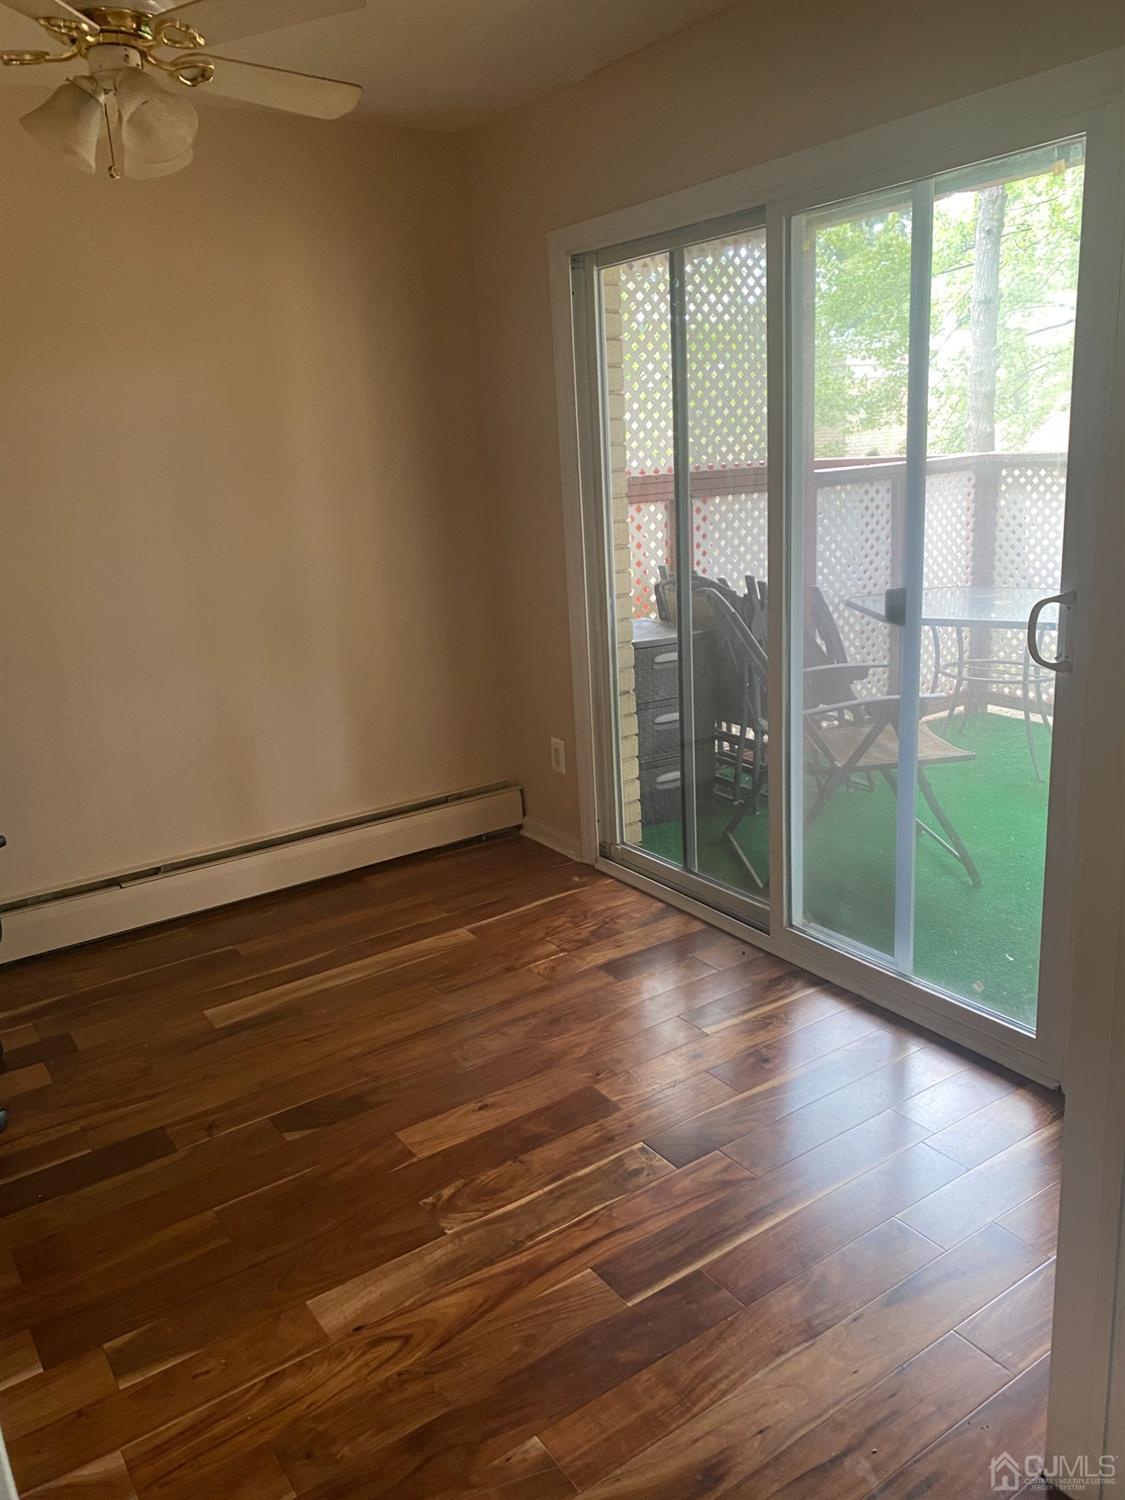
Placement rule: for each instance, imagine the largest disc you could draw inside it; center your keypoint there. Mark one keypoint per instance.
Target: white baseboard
(139, 903)
(561, 843)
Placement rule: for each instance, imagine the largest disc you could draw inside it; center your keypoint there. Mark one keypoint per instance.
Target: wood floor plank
(19, 1359)
(776, 1056)
(759, 1264)
(750, 1207)
(37, 1050)
(169, 1316)
(40, 1152)
(256, 1475)
(65, 1294)
(606, 1432)
(550, 1486)
(804, 1026)
(736, 1437)
(529, 1461)
(988, 1191)
(392, 1287)
(603, 1035)
(764, 989)
(851, 1452)
(459, 1124)
(465, 1200)
(1036, 1219)
(452, 1452)
(1013, 1421)
(105, 1479)
(90, 1223)
(636, 938)
(998, 1125)
(343, 975)
(506, 1285)
(356, 1392)
(771, 1144)
(944, 1103)
(443, 1130)
(55, 1396)
(112, 1418)
(778, 1095)
(482, 1174)
(22, 1080)
(16, 1036)
(9, 1276)
(1015, 1330)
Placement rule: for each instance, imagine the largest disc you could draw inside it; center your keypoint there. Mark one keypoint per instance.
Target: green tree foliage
(862, 301)
(859, 287)
(862, 309)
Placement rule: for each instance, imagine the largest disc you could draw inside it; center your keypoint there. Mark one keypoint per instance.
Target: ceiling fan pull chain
(113, 172)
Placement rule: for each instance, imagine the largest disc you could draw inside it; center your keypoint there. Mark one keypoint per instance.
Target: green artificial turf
(980, 943)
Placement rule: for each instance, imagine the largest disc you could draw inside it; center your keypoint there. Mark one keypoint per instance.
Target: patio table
(972, 604)
(975, 606)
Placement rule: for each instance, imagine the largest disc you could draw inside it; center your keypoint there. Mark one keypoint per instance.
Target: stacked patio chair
(845, 737)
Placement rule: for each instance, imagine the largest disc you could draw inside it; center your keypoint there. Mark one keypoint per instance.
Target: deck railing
(994, 518)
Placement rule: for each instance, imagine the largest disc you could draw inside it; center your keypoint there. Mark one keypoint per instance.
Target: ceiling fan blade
(230, 20)
(41, 75)
(299, 93)
(33, 9)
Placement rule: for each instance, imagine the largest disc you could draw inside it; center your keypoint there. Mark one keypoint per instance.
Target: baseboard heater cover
(129, 902)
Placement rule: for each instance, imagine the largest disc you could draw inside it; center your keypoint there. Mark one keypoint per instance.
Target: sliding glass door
(831, 685)
(681, 333)
(932, 345)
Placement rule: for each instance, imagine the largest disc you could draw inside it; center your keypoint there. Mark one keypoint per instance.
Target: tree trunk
(984, 320)
(980, 424)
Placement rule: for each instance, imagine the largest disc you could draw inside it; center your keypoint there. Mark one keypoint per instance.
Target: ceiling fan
(133, 64)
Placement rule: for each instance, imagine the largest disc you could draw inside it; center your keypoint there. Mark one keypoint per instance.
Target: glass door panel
(1003, 295)
(636, 359)
(932, 341)
(850, 417)
(682, 337)
(726, 420)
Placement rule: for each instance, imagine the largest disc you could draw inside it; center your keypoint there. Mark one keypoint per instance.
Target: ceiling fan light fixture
(142, 56)
(70, 123)
(157, 128)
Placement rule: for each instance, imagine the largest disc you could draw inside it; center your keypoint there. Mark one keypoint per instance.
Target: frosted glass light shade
(157, 127)
(69, 122)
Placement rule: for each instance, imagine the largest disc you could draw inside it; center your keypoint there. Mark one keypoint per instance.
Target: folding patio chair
(843, 738)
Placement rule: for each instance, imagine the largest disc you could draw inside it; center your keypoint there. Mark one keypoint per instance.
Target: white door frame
(1085, 965)
(1040, 1056)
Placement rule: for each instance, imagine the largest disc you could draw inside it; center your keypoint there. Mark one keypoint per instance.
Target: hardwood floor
(482, 1174)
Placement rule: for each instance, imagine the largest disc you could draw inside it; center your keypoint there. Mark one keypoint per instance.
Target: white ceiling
(446, 64)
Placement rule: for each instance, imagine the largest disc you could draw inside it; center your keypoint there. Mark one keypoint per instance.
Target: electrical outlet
(558, 756)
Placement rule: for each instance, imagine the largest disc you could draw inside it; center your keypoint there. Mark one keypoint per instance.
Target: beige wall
(245, 567)
(753, 83)
(253, 576)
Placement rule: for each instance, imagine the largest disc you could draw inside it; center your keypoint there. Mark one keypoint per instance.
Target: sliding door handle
(1062, 662)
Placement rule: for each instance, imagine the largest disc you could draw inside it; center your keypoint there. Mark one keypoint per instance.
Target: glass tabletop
(972, 604)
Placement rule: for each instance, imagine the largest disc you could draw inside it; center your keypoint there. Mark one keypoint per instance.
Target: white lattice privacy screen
(990, 518)
(725, 287)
